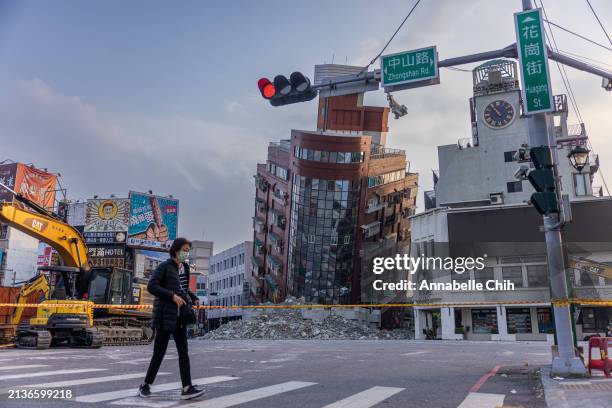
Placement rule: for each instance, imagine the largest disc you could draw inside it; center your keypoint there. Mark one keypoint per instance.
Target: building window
(513, 274)
(537, 276)
(484, 275)
(484, 321)
(328, 157)
(580, 183)
(519, 320)
(509, 156)
(514, 186)
(386, 178)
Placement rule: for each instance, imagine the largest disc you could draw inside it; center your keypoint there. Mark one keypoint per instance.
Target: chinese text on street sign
(409, 66)
(533, 58)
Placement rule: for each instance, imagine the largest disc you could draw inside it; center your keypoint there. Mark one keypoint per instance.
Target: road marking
(367, 398)
(250, 395)
(142, 360)
(32, 353)
(482, 400)
(17, 367)
(130, 392)
(414, 353)
(484, 378)
(82, 381)
(44, 373)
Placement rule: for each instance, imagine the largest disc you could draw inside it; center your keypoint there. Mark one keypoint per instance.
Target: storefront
(484, 321)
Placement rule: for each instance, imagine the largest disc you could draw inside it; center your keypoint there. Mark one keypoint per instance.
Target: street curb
(553, 394)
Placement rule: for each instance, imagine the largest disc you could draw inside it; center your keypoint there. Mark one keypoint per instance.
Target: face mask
(182, 256)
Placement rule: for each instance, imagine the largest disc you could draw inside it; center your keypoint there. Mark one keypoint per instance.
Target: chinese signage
(153, 221)
(107, 256)
(47, 256)
(409, 66)
(533, 58)
(33, 184)
(106, 220)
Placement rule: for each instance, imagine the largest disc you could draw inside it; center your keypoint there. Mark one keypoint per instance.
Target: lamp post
(579, 156)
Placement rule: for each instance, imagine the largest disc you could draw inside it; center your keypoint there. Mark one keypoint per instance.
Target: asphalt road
(293, 374)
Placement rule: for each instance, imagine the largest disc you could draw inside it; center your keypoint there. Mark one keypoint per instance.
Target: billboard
(47, 256)
(146, 261)
(106, 220)
(153, 221)
(34, 184)
(111, 255)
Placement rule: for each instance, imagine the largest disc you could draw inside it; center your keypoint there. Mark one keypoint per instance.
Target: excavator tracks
(127, 331)
(36, 339)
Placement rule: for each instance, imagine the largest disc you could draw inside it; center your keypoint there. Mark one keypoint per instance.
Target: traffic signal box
(543, 181)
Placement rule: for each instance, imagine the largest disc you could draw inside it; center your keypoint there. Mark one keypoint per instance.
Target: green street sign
(409, 66)
(533, 58)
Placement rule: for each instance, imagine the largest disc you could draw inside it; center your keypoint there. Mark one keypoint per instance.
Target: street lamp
(579, 156)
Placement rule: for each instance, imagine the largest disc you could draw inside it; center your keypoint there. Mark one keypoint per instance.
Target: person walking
(170, 286)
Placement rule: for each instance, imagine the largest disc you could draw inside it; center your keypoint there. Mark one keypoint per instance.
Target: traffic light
(543, 181)
(283, 91)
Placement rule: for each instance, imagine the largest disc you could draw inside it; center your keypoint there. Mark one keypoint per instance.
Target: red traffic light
(266, 88)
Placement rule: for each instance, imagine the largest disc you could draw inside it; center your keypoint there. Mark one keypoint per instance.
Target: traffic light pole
(566, 363)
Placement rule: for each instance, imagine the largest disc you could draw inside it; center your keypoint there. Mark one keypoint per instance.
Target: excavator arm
(38, 284)
(62, 237)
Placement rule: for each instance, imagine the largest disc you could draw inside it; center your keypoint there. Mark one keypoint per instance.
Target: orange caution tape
(554, 302)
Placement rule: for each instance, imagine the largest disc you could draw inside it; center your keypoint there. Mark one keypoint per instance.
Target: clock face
(498, 114)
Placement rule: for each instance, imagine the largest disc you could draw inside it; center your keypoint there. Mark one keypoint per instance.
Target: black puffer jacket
(163, 285)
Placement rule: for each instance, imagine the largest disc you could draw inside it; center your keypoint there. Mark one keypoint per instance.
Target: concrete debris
(289, 324)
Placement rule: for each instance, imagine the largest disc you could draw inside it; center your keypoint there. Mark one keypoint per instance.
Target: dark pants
(162, 337)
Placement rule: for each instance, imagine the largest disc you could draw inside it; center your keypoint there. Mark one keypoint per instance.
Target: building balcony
(280, 197)
(261, 205)
(259, 225)
(261, 183)
(379, 152)
(258, 266)
(370, 230)
(278, 218)
(275, 264)
(374, 206)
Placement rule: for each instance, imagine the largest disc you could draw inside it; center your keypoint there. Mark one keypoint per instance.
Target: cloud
(206, 164)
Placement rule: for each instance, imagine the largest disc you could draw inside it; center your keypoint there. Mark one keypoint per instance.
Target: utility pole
(541, 133)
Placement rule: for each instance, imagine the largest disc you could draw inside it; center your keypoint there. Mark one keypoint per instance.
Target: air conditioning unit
(496, 198)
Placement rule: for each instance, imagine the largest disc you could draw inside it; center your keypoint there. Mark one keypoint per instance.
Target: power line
(458, 69)
(390, 39)
(578, 35)
(561, 68)
(569, 89)
(573, 54)
(599, 21)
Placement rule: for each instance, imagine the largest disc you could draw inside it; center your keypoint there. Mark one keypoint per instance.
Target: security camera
(522, 154)
(606, 84)
(397, 109)
(522, 172)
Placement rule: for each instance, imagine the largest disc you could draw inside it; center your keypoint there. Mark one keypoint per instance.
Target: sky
(162, 96)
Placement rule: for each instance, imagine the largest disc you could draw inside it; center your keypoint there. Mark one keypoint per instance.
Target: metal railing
(382, 152)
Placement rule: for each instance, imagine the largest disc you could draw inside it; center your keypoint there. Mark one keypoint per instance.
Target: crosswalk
(106, 386)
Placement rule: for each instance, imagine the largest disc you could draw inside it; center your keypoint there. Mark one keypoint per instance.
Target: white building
(479, 207)
(228, 279)
(18, 256)
(201, 252)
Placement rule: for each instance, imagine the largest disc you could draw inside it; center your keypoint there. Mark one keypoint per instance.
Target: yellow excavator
(63, 317)
(69, 292)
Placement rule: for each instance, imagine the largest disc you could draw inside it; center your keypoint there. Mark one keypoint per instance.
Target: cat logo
(37, 224)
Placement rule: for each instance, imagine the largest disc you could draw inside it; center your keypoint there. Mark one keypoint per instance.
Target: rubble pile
(289, 324)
